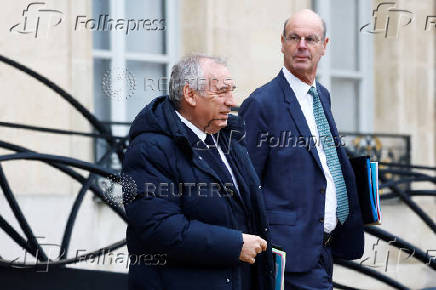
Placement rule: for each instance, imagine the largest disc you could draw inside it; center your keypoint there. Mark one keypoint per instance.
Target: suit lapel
(297, 115)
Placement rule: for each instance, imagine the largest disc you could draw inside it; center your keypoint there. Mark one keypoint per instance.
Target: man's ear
(282, 39)
(324, 45)
(189, 95)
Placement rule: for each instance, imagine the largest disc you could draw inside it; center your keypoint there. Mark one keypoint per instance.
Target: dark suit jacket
(287, 162)
(186, 232)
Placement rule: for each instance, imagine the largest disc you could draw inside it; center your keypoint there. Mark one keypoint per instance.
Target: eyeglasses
(311, 40)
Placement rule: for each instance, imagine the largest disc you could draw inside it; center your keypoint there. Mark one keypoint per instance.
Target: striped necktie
(333, 164)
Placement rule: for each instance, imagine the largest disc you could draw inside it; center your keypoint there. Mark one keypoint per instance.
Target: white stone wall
(246, 33)
(404, 70)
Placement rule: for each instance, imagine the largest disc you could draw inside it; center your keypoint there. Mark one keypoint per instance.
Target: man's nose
(302, 43)
(230, 100)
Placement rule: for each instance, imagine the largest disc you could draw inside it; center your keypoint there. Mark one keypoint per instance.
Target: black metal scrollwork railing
(396, 175)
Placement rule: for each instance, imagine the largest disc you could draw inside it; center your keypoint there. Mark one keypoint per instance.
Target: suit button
(260, 186)
(321, 220)
(322, 190)
(265, 229)
(228, 280)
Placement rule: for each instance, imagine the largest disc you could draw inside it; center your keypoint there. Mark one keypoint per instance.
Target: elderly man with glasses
(309, 185)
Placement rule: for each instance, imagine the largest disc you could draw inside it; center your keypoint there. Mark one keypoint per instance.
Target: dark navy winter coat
(182, 236)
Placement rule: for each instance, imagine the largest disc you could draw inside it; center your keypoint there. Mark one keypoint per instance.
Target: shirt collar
(299, 87)
(200, 134)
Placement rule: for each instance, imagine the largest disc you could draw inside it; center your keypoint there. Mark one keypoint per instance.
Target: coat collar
(234, 132)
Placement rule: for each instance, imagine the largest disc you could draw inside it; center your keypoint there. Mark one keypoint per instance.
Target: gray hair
(188, 70)
(324, 26)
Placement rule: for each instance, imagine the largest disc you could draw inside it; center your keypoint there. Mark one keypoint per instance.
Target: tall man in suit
(309, 186)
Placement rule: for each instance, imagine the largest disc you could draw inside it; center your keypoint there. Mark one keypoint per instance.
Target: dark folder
(366, 173)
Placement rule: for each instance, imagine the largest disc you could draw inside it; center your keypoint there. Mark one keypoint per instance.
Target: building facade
(381, 78)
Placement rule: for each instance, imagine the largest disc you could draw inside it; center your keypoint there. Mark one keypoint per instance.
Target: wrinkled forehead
(305, 24)
(218, 75)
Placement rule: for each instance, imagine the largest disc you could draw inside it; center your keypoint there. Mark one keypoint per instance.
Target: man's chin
(300, 69)
(215, 126)
(218, 125)
(301, 65)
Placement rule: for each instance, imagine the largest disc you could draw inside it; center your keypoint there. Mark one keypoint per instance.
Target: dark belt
(328, 239)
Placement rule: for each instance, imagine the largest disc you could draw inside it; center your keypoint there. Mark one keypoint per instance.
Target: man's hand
(252, 246)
